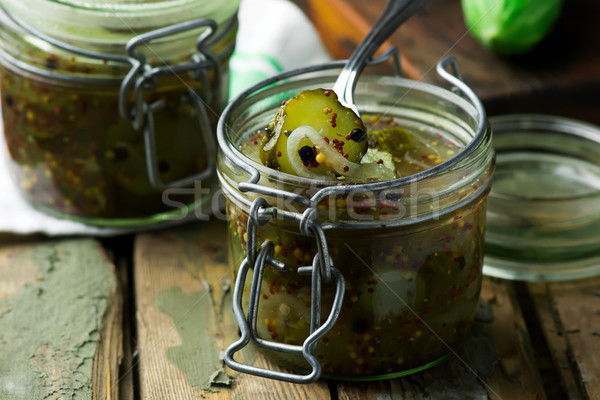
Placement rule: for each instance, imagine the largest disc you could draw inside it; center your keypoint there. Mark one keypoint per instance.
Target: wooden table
(147, 316)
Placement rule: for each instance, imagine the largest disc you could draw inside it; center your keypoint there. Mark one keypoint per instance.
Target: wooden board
(517, 375)
(61, 332)
(60, 321)
(185, 321)
(569, 314)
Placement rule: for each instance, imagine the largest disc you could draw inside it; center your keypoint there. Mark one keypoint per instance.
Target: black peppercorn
(358, 135)
(306, 153)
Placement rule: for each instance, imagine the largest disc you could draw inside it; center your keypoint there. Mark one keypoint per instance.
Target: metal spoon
(394, 14)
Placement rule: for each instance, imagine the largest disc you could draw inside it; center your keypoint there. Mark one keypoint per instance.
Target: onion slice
(296, 162)
(341, 165)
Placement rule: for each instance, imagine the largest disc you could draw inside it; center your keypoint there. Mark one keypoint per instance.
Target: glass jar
(544, 210)
(109, 108)
(395, 267)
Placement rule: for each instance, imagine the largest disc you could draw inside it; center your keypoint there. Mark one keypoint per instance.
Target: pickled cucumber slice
(320, 109)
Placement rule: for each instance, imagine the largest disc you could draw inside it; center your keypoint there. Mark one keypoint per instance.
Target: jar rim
(255, 169)
(121, 14)
(30, 49)
(120, 5)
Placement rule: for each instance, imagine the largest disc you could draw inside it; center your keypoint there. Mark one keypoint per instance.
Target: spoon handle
(394, 13)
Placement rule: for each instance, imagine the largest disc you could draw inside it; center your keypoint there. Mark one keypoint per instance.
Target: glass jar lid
(543, 219)
(84, 40)
(90, 38)
(113, 21)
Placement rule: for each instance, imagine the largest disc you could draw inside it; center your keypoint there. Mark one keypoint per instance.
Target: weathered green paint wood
(60, 325)
(185, 321)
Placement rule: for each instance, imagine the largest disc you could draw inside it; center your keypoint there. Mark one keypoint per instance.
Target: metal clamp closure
(142, 79)
(321, 269)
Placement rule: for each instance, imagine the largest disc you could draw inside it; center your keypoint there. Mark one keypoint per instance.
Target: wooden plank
(185, 321)
(518, 373)
(569, 313)
(555, 339)
(60, 321)
(494, 363)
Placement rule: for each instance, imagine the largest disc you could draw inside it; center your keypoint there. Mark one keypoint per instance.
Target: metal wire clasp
(321, 269)
(142, 79)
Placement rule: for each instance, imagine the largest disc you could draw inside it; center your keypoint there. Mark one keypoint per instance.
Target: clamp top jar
(109, 107)
(394, 265)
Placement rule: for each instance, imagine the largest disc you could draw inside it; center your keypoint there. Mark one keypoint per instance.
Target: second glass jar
(82, 144)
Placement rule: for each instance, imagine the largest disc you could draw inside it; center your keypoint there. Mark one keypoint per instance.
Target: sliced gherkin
(321, 110)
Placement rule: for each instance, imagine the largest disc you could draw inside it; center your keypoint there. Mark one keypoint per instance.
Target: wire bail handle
(142, 79)
(322, 269)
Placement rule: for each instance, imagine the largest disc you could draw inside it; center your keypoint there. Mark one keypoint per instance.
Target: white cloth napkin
(273, 36)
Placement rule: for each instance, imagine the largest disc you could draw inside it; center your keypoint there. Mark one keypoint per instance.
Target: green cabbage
(510, 27)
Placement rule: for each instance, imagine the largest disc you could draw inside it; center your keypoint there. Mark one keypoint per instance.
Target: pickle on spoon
(320, 109)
